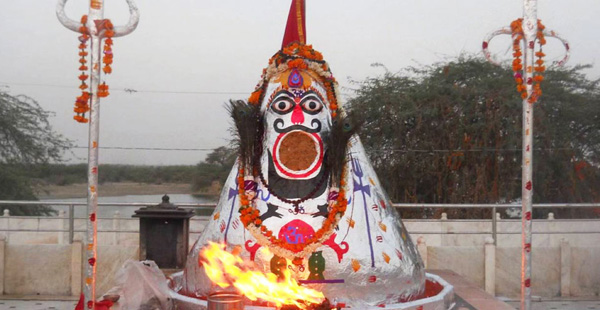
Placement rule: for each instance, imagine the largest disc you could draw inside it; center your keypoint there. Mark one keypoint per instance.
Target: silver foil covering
(371, 259)
(368, 258)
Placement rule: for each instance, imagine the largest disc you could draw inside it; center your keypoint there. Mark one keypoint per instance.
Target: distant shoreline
(116, 189)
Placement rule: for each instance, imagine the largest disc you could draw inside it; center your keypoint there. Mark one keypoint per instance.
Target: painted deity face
(296, 114)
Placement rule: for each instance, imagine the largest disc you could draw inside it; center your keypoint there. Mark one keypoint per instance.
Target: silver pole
(93, 141)
(96, 13)
(530, 27)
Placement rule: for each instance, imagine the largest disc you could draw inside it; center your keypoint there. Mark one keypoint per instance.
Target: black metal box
(164, 234)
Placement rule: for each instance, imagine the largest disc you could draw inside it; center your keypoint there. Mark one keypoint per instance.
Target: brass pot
(225, 301)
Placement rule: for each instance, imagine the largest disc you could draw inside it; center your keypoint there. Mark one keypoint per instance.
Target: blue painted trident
(365, 190)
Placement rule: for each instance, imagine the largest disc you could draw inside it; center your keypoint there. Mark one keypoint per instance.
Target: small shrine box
(164, 233)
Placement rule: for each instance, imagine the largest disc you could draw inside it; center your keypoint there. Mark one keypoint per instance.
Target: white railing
(68, 218)
(466, 246)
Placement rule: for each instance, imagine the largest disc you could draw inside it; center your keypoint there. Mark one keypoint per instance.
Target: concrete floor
(10, 304)
(561, 305)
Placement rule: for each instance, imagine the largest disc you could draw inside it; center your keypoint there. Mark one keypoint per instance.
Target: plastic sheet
(140, 286)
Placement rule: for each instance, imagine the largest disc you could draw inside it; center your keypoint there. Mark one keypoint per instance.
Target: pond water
(108, 211)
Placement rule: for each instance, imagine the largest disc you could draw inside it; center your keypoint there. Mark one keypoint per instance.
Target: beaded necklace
(295, 203)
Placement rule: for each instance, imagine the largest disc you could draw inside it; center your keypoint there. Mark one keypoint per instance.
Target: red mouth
(298, 154)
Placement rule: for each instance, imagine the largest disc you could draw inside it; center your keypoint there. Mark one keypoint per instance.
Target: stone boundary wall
(36, 258)
(57, 269)
(563, 271)
(119, 230)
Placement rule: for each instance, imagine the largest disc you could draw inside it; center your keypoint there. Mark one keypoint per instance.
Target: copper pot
(225, 301)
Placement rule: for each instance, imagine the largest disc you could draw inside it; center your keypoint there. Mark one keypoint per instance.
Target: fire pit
(439, 297)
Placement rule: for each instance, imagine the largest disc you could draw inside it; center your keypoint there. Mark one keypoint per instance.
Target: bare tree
(26, 139)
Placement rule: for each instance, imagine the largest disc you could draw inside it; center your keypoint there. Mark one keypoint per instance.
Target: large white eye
(282, 106)
(312, 106)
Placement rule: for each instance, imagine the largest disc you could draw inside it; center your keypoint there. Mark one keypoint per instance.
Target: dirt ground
(112, 189)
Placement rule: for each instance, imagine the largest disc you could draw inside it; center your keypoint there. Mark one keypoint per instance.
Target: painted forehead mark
(297, 92)
(295, 80)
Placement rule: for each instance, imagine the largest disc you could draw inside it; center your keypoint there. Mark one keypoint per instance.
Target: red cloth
(295, 30)
(100, 305)
(80, 303)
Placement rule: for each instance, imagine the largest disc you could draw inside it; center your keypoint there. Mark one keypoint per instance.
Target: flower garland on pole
(517, 34)
(528, 77)
(107, 59)
(94, 27)
(82, 102)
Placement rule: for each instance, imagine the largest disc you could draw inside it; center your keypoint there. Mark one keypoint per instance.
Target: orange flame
(229, 269)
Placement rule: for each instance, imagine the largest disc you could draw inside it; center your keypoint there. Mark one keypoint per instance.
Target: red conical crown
(295, 29)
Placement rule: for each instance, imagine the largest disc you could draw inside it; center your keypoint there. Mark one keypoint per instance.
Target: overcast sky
(188, 57)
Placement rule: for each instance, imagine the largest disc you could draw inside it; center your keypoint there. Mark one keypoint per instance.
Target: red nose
(297, 115)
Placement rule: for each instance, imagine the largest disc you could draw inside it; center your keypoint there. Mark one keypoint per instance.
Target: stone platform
(468, 296)
(33, 304)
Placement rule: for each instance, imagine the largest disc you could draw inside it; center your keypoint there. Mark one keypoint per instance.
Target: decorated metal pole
(526, 31)
(96, 27)
(529, 34)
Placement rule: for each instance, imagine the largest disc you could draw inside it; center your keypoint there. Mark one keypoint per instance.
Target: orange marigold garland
(82, 105)
(82, 102)
(302, 50)
(517, 65)
(304, 57)
(250, 217)
(107, 59)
